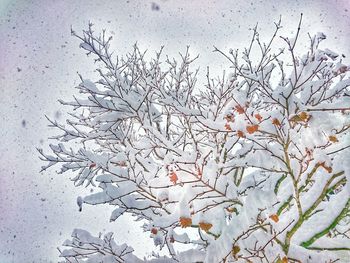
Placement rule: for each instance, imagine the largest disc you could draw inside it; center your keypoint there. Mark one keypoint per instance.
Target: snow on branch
(250, 167)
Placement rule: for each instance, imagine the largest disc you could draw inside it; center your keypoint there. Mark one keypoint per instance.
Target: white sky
(38, 64)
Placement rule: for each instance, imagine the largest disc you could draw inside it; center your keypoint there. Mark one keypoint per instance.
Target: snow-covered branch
(254, 163)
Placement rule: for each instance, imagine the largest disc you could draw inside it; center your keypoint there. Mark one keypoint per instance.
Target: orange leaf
(276, 122)
(228, 127)
(252, 129)
(235, 250)
(258, 117)
(274, 218)
(185, 222)
(229, 118)
(285, 260)
(240, 134)
(239, 109)
(327, 168)
(304, 116)
(231, 209)
(154, 231)
(301, 117)
(332, 138)
(205, 226)
(173, 177)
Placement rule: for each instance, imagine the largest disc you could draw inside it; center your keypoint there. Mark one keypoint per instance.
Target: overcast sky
(39, 60)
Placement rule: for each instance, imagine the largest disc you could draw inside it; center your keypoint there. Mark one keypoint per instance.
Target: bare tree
(254, 164)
